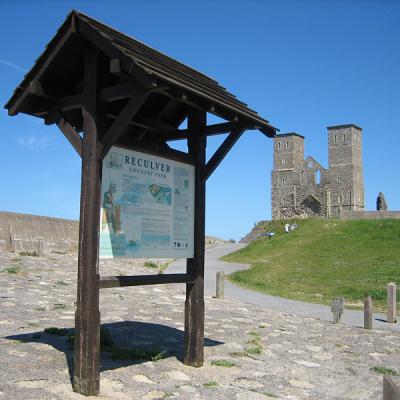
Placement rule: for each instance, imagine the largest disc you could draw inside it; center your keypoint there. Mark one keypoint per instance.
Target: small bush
(40, 308)
(211, 384)
(223, 363)
(384, 371)
(254, 350)
(12, 270)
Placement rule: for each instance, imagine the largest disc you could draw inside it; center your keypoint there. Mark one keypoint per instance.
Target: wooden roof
(54, 84)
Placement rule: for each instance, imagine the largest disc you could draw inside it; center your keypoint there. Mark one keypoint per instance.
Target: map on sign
(147, 206)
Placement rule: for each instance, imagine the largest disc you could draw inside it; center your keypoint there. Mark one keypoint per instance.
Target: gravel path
(251, 353)
(234, 292)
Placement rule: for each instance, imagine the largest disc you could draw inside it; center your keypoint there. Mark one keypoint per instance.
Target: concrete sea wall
(24, 232)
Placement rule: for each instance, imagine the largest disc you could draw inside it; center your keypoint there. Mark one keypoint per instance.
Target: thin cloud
(13, 66)
(33, 142)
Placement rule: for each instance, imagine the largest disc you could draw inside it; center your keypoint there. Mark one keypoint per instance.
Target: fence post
(337, 309)
(219, 292)
(391, 298)
(40, 247)
(368, 307)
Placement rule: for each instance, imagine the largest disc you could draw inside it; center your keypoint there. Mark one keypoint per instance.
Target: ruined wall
(345, 214)
(302, 187)
(22, 232)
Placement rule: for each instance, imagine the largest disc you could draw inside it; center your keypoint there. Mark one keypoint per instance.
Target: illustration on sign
(147, 206)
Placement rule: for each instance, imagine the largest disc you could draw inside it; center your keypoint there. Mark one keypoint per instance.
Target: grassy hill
(322, 259)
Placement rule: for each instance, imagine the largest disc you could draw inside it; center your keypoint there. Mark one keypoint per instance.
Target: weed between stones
(29, 253)
(210, 384)
(12, 270)
(223, 363)
(384, 371)
(60, 306)
(61, 282)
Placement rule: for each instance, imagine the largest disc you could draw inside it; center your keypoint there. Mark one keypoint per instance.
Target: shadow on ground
(130, 340)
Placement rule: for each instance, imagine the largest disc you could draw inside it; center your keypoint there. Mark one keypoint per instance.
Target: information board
(147, 207)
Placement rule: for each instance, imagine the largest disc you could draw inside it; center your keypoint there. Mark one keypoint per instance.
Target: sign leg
(87, 318)
(194, 305)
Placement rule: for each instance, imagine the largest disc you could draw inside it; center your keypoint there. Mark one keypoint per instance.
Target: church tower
(345, 168)
(288, 157)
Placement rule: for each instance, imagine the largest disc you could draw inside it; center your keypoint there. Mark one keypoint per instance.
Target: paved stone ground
(275, 355)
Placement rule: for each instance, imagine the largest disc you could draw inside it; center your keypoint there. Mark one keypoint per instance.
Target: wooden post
(220, 281)
(391, 299)
(194, 305)
(367, 311)
(40, 248)
(87, 317)
(11, 239)
(337, 309)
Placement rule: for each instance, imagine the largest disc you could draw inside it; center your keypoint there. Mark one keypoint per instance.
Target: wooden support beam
(35, 88)
(121, 122)
(226, 111)
(87, 318)
(109, 94)
(222, 151)
(107, 47)
(194, 304)
(210, 130)
(138, 280)
(37, 73)
(70, 133)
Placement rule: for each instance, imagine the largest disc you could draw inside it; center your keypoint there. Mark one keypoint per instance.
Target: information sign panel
(147, 206)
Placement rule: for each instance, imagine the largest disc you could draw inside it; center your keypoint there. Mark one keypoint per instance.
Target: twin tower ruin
(303, 187)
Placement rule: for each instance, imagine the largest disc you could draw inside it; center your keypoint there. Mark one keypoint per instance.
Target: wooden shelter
(103, 88)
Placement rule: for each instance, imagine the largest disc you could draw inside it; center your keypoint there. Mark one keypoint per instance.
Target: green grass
(223, 363)
(322, 259)
(384, 371)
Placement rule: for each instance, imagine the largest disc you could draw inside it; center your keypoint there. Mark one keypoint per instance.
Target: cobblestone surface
(250, 354)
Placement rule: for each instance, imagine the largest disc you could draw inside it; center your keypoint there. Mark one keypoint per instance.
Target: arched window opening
(340, 199)
(344, 138)
(334, 138)
(283, 181)
(279, 145)
(287, 145)
(318, 177)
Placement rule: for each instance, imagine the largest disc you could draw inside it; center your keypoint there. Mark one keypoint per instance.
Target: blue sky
(303, 65)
